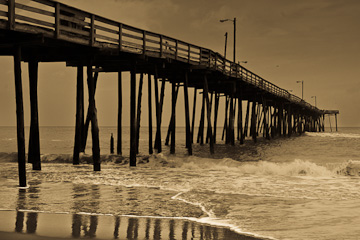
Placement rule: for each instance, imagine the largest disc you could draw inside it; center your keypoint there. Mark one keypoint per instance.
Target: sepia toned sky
(315, 41)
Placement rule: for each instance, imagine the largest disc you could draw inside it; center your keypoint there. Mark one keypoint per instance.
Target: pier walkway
(48, 31)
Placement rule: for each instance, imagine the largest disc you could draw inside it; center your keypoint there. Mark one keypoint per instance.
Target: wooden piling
(93, 119)
(207, 132)
(289, 114)
(167, 139)
(173, 113)
(138, 112)
(161, 103)
(88, 115)
(79, 124)
(111, 144)
(231, 121)
(279, 119)
(158, 113)
(226, 118)
(266, 122)
(34, 139)
(20, 118)
(273, 122)
(336, 125)
(119, 123)
(187, 116)
(208, 111)
(253, 122)
(200, 138)
(217, 98)
(150, 114)
(260, 124)
(193, 116)
(240, 122)
(132, 118)
(247, 119)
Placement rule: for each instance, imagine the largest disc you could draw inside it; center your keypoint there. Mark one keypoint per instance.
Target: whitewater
(304, 187)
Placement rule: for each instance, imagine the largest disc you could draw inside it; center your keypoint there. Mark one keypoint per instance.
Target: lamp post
(225, 44)
(315, 99)
(234, 21)
(302, 89)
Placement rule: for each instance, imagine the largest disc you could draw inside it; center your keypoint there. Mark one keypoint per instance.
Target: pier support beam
(161, 104)
(171, 122)
(150, 114)
(240, 122)
(207, 132)
(187, 116)
(158, 114)
(253, 122)
(230, 135)
(93, 119)
(289, 115)
(193, 116)
(138, 113)
(200, 137)
(132, 118)
(173, 117)
(208, 111)
(34, 139)
(20, 118)
(225, 129)
(119, 123)
(247, 119)
(266, 120)
(217, 98)
(79, 124)
(88, 115)
(336, 125)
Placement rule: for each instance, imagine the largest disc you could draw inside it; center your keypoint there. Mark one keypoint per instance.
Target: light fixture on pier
(234, 21)
(315, 99)
(302, 89)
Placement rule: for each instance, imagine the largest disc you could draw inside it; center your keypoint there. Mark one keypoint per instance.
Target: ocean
(303, 187)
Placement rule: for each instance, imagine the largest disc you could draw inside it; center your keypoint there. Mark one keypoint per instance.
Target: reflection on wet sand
(86, 199)
(31, 221)
(86, 226)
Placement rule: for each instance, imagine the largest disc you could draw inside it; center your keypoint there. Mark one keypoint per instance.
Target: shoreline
(40, 225)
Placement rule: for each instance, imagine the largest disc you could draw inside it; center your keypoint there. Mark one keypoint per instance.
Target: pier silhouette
(48, 31)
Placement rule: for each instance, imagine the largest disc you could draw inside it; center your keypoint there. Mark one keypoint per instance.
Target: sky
(315, 41)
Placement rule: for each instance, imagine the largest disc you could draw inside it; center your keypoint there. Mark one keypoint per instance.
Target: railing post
(11, 14)
(57, 20)
(161, 46)
(200, 57)
(224, 63)
(176, 49)
(144, 42)
(188, 53)
(216, 59)
(120, 36)
(92, 30)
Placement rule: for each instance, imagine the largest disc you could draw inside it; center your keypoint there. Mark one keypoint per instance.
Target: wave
(297, 167)
(68, 158)
(332, 135)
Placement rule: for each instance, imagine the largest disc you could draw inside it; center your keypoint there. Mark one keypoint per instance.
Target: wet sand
(40, 226)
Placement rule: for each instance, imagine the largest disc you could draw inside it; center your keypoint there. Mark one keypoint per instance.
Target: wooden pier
(48, 31)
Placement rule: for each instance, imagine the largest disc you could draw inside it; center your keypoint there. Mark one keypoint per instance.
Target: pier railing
(60, 21)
